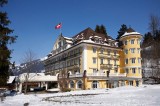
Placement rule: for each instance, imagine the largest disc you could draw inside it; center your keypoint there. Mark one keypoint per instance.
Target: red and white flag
(58, 26)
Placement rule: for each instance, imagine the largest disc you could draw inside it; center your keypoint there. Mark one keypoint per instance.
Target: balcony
(115, 66)
(117, 74)
(76, 75)
(115, 56)
(96, 74)
(106, 66)
(73, 66)
(104, 55)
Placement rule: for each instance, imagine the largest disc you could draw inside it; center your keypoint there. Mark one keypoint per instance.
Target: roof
(37, 77)
(88, 33)
(130, 32)
(11, 79)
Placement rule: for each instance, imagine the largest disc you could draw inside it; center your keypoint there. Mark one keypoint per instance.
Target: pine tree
(97, 29)
(5, 39)
(121, 31)
(101, 29)
(147, 39)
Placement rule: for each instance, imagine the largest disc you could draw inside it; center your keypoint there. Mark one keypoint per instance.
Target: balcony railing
(76, 75)
(106, 66)
(96, 74)
(117, 74)
(115, 56)
(104, 55)
(73, 66)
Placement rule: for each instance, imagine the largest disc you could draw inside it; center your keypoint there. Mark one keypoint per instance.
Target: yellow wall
(131, 55)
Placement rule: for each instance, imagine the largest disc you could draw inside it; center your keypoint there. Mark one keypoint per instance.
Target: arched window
(71, 84)
(95, 84)
(79, 84)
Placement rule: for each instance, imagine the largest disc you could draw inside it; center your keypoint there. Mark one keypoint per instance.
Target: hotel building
(91, 60)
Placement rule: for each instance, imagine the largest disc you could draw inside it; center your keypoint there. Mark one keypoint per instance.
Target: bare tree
(154, 24)
(28, 62)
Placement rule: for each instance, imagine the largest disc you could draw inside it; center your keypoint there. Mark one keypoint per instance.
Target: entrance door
(137, 83)
(95, 84)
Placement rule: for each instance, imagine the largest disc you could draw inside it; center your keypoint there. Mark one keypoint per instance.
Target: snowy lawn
(146, 95)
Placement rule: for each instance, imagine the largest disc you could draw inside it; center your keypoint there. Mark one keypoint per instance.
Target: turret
(131, 53)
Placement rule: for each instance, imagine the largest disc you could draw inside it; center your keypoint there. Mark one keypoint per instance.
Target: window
(101, 51)
(139, 60)
(122, 83)
(94, 70)
(101, 61)
(79, 84)
(94, 60)
(133, 60)
(108, 61)
(109, 52)
(94, 50)
(131, 83)
(115, 62)
(127, 71)
(126, 61)
(125, 42)
(59, 44)
(71, 84)
(132, 50)
(132, 41)
(95, 84)
(126, 51)
(133, 70)
(115, 53)
(139, 50)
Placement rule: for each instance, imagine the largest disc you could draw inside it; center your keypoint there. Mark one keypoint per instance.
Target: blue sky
(33, 21)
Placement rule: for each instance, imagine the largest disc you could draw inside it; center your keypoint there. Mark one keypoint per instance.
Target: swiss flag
(58, 26)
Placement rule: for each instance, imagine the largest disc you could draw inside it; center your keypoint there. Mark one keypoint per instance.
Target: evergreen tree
(147, 39)
(121, 31)
(97, 29)
(101, 29)
(5, 39)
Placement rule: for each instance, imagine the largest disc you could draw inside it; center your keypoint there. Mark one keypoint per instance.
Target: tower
(131, 57)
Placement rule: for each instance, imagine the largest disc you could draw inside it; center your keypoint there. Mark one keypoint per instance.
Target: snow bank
(146, 95)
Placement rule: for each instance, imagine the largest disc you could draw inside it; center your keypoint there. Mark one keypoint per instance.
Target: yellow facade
(91, 64)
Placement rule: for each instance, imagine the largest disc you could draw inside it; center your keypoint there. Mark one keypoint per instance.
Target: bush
(66, 90)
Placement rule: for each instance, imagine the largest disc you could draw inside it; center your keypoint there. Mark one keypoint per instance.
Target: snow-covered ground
(146, 95)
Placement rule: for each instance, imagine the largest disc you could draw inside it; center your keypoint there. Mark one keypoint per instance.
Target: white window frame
(133, 60)
(132, 50)
(94, 50)
(132, 41)
(126, 61)
(134, 70)
(94, 60)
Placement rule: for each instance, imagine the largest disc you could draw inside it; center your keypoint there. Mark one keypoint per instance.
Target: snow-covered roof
(130, 33)
(37, 77)
(11, 79)
(68, 38)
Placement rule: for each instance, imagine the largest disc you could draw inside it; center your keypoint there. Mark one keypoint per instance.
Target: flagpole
(61, 29)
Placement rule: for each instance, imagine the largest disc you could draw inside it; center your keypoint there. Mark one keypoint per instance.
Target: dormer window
(59, 44)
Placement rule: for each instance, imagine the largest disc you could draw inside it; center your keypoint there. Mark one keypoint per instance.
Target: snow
(145, 95)
(36, 77)
(68, 38)
(10, 80)
(130, 33)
